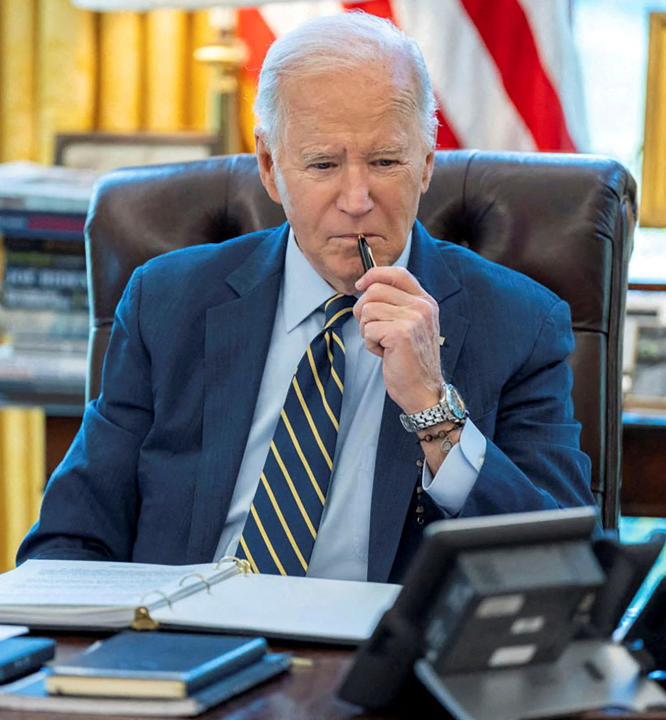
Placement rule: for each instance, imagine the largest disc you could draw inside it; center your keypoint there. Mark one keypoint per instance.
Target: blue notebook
(153, 664)
(22, 655)
(30, 694)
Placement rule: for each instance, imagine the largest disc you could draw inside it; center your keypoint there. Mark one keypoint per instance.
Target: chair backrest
(565, 220)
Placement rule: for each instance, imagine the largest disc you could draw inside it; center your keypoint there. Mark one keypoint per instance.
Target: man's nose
(354, 196)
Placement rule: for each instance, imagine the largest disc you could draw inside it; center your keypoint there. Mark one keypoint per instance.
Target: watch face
(455, 402)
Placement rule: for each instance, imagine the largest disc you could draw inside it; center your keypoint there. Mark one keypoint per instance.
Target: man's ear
(266, 165)
(427, 171)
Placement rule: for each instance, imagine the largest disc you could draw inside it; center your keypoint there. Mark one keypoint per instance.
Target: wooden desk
(307, 692)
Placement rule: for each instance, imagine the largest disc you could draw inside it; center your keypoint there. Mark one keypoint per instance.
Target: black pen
(365, 252)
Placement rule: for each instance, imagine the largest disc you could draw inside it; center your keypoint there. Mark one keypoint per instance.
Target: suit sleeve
(91, 502)
(533, 460)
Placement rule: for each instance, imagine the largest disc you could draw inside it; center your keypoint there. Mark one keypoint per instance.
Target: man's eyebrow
(317, 154)
(388, 150)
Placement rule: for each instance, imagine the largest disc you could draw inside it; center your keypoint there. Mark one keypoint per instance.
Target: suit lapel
(396, 471)
(238, 335)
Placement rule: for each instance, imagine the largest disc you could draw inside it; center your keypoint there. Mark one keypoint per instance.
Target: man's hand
(400, 323)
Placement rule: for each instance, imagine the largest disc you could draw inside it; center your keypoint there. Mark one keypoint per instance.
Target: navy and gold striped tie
(281, 529)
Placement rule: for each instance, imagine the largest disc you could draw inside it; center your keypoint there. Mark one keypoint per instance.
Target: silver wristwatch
(451, 408)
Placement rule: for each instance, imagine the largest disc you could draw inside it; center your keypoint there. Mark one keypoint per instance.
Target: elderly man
(247, 408)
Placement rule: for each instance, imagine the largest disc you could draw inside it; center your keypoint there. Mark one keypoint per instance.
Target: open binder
(218, 597)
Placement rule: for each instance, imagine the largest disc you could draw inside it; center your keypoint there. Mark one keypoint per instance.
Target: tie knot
(338, 309)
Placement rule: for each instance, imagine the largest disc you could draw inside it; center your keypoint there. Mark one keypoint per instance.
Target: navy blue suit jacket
(150, 475)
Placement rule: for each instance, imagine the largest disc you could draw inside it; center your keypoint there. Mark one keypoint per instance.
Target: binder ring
(243, 566)
(226, 558)
(198, 575)
(158, 592)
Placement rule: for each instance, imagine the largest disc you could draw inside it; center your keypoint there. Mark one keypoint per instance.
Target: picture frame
(104, 151)
(644, 355)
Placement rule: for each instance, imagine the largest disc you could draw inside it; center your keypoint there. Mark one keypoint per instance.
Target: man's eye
(386, 162)
(322, 165)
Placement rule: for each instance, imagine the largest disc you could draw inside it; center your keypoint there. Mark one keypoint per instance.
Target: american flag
(505, 72)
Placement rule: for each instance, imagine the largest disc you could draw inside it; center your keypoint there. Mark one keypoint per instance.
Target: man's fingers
(377, 336)
(417, 309)
(382, 294)
(387, 275)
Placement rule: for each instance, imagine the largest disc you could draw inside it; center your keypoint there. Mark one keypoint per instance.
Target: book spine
(45, 288)
(26, 223)
(67, 280)
(26, 663)
(44, 275)
(249, 653)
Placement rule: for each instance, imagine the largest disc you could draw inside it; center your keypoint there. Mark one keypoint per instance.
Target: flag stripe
(464, 76)
(557, 51)
(381, 8)
(258, 38)
(281, 17)
(505, 73)
(507, 35)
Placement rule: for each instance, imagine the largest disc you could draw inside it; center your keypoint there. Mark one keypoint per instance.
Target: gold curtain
(22, 467)
(63, 69)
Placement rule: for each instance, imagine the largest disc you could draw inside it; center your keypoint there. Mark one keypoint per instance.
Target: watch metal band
(450, 408)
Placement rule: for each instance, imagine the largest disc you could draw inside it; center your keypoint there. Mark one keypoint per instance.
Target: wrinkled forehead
(383, 86)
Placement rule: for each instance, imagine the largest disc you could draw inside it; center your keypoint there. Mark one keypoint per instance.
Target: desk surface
(305, 693)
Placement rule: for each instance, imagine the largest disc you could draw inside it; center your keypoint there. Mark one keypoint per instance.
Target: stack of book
(148, 673)
(44, 305)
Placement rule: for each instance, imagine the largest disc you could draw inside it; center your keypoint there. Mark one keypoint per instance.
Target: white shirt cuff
(458, 473)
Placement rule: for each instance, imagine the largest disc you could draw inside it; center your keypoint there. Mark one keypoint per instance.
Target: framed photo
(108, 151)
(653, 199)
(644, 361)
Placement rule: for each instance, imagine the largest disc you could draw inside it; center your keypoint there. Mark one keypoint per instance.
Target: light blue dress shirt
(341, 548)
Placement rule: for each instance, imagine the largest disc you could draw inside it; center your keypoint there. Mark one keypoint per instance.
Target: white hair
(347, 42)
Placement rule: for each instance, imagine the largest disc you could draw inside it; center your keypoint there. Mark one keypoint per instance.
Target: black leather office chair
(565, 220)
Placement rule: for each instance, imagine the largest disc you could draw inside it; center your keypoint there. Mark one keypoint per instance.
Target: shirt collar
(304, 290)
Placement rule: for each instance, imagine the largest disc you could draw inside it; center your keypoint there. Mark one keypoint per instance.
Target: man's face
(350, 160)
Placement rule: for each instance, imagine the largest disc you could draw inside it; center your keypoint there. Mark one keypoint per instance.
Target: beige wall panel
(22, 469)
(653, 197)
(166, 45)
(66, 72)
(120, 67)
(247, 92)
(17, 85)
(198, 89)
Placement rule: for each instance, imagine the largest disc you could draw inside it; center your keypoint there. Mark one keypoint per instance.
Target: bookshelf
(43, 333)
(44, 302)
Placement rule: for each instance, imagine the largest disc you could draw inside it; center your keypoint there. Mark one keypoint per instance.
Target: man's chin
(343, 279)
(346, 286)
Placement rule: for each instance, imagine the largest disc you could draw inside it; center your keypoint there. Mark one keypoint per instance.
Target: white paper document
(8, 631)
(91, 595)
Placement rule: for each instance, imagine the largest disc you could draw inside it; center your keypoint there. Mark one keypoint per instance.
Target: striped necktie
(282, 525)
